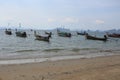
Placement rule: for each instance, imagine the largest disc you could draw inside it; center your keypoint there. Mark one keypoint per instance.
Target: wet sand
(100, 68)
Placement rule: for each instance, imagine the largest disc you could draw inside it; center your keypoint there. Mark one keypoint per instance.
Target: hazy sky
(72, 14)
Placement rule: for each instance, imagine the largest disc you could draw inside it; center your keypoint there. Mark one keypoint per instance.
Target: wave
(79, 49)
(21, 51)
(73, 49)
(53, 50)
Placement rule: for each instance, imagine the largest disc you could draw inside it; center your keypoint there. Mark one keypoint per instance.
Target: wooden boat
(48, 33)
(8, 32)
(95, 38)
(114, 35)
(63, 34)
(78, 33)
(21, 34)
(41, 38)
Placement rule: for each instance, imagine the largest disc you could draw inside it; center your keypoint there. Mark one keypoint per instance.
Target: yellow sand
(102, 68)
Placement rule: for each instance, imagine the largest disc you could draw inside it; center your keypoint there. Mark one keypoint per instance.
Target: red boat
(114, 35)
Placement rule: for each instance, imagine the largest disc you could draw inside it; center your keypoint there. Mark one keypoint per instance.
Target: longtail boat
(41, 38)
(21, 34)
(8, 32)
(95, 38)
(63, 34)
(114, 35)
(48, 33)
(80, 33)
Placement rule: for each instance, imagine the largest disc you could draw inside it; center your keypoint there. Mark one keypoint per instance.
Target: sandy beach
(100, 68)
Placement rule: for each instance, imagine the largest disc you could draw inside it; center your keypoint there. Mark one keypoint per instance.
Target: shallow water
(16, 48)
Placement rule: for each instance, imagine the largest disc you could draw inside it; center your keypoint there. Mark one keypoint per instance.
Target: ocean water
(15, 50)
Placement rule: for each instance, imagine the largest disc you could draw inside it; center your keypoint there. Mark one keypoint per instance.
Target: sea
(17, 50)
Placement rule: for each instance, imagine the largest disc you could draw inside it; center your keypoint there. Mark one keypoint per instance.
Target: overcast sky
(72, 14)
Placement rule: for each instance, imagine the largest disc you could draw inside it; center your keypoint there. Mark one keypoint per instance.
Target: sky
(50, 14)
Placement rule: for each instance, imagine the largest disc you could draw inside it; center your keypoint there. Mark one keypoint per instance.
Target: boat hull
(95, 38)
(21, 34)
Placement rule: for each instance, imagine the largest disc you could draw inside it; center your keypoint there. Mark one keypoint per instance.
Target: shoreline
(39, 60)
(98, 68)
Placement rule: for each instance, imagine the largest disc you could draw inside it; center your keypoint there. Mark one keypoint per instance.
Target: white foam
(36, 60)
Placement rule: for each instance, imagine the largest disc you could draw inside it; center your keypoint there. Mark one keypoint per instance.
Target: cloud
(51, 20)
(70, 20)
(99, 22)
